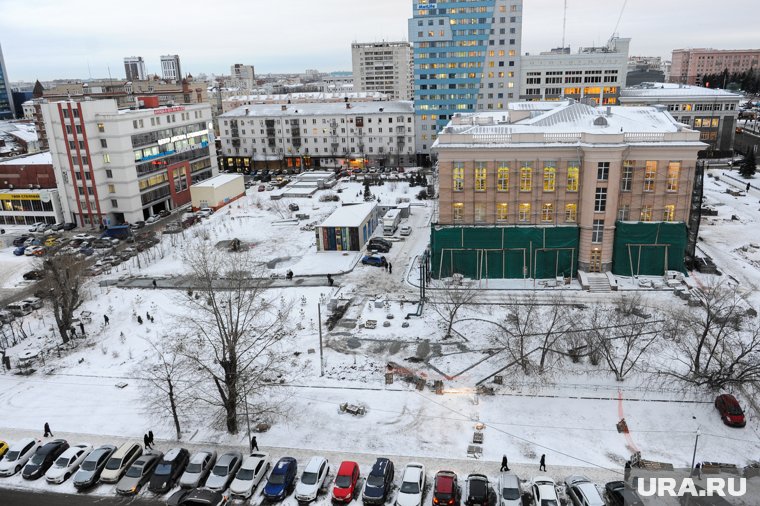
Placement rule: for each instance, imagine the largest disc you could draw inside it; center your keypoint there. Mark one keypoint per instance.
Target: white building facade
(134, 68)
(170, 67)
(242, 76)
(319, 134)
(384, 67)
(119, 166)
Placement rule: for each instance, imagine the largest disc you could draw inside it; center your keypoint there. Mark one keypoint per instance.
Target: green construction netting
(504, 252)
(649, 249)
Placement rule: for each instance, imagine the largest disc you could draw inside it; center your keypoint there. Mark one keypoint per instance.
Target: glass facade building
(6, 98)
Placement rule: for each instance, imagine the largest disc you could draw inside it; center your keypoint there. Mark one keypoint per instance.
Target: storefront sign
(167, 110)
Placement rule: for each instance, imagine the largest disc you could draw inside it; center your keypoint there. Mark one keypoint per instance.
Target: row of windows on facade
(547, 213)
(324, 121)
(344, 150)
(25, 205)
(464, 54)
(468, 33)
(424, 10)
(325, 131)
(170, 118)
(463, 65)
(572, 80)
(271, 141)
(526, 170)
(701, 107)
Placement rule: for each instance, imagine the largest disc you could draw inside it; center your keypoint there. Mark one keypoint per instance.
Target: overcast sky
(46, 39)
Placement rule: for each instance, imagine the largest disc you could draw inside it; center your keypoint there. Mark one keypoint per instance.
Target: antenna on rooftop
(564, 26)
(619, 18)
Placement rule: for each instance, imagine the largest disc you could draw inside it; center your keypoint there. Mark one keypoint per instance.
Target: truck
(391, 221)
(120, 232)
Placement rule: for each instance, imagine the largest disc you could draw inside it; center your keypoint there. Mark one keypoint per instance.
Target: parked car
(544, 492)
(164, 213)
(43, 458)
(89, 472)
(18, 455)
(3, 449)
(152, 219)
(37, 226)
(83, 237)
(582, 492)
(20, 240)
(137, 225)
(67, 464)
(379, 244)
(344, 486)
(168, 470)
(57, 227)
(405, 230)
(312, 480)
(269, 187)
(248, 477)
(477, 490)
(86, 251)
(197, 497)
(35, 302)
(374, 260)
(510, 491)
(730, 411)
(138, 474)
(34, 251)
(20, 308)
(620, 494)
(197, 469)
(19, 251)
(34, 275)
(412, 485)
(69, 226)
(293, 206)
(120, 461)
(224, 471)
(445, 489)
(379, 482)
(281, 480)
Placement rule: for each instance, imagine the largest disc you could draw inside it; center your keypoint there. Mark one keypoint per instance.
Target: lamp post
(694, 455)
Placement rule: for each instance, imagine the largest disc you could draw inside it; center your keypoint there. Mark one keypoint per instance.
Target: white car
(405, 230)
(37, 226)
(83, 237)
(582, 492)
(249, 475)
(31, 250)
(412, 485)
(204, 212)
(312, 480)
(67, 463)
(35, 302)
(197, 469)
(18, 455)
(544, 491)
(510, 491)
(153, 219)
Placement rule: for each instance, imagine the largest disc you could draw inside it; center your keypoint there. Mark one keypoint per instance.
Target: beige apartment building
(541, 191)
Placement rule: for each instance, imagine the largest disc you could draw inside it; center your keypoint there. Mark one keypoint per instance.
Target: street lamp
(694, 455)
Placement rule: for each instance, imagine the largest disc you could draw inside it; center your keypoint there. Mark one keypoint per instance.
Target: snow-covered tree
(62, 286)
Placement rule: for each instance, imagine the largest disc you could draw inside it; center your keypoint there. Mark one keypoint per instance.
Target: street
(12, 497)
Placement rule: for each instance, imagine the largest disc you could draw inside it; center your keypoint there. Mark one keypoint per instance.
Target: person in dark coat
(81, 327)
(289, 275)
(748, 186)
(105, 318)
(48, 432)
(146, 441)
(504, 464)
(150, 437)
(627, 471)
(254, 444)
(154, 284)
(542, 464)
(390, 268)
(147, 315)
(139, 319)
(330, 280)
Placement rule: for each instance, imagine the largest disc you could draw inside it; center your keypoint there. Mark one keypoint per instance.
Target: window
(109, 173)
(547, 212)
(571, 213)
(103, 143)
(480, 212)
(458, 212)
(669, 214)
(646, 213)
(573, 174)
(526, 177)
(114, 203)
(597, 232)
(502, 212)
(650, 173)
(111, 188)
(502, 179)
(550, 177)
(524, 212)
(600, 200)
(480, 177)
(674, 171)
(603, 171)
(106, 158)
(627, 176)
(624, 212)
(458, 176)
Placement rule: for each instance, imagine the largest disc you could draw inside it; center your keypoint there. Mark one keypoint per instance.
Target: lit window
(571, 213)
(524, 212)
(480, 177)
(458, 176)
(646, 213)
(550, 178)
(106, 158)
(650, 173)
(627, 176)
(502, 212)
(670, 213)
(674, 171)
(526, 177)
(101, 127)
(458, 212)
(573, 174)
(111, 188)
(502, 172)
(547, 212)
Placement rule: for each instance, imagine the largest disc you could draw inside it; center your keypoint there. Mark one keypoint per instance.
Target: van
(120, 461)
(20, 308)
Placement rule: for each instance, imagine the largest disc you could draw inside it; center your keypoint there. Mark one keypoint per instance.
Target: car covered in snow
(89, 472)
(67, 464)
(224, 471)
(197, 469)
(379, 482)
(281, 480)
(412, 485)
(344, 486)
(312, 480)
(582, 492)
(248, 477)
(18, 455)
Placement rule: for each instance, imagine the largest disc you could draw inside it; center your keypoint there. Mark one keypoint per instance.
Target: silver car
(510, 491)
(197, 469)
(89, 471)
(224, 470)
(138, 474)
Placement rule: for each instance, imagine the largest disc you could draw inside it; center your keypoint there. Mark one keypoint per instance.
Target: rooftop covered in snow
(675, 91)
(349, 216)
(217, 181)
(321, 109)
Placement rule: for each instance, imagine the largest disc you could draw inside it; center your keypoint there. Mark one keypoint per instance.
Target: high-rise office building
(170, 69)
(6, 98)
(384, 67)
(134, 68)
(466, 59)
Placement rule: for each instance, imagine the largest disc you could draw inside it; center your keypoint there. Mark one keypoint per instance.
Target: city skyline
(37, 47)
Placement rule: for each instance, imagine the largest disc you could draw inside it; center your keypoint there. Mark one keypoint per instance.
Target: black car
(379, 482)
(379, 244)
(293, 206)
(92, 466)
(169, 470)
(478, 490)
(620, 494)
(43, 458)
(34, 275)
(20, 240)
(164, 213)
(197, 497)
(69, 226)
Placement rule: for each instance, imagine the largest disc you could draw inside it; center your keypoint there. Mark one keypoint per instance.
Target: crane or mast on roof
(619, 19)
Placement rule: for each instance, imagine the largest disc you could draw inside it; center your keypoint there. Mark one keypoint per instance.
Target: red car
(730, 411)
(344, 487)
(445, 489)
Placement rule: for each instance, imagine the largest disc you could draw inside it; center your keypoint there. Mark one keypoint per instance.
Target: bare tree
(554, 328)
(232, 330)
(449, 300)
(170, 373)
(62, 286)
(716, 343)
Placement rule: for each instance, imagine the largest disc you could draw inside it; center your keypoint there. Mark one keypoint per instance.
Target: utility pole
(248, 422)
(319, 324)
(694, 455)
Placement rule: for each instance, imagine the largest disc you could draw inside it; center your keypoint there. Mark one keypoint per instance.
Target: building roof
(321, 109)
(44, 158)
(349, 216)
(316, 96)
(674, 91)
(217, 181)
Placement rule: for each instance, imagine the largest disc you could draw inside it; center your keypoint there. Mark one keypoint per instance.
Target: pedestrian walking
(154, 284)
(147, 315)
(748, 186)
(330, 280)
(150, 437)
(139, 319)
(542, 464)
(699, 470)
(627, 471)
(390, 268)
(105, 318)
(504, 464)
(151, 319)
(48, 432)
(81, 327)
(146, 441)
(254, 444)
(289, 275)
(385, 266)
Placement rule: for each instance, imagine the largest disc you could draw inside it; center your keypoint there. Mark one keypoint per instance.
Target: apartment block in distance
(134, 68)
(550, 188)
(122, 166)
(466, 59)
(384, 67)
(689, 65)
(170, 68)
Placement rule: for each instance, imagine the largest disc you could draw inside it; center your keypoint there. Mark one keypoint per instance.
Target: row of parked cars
(204, 478)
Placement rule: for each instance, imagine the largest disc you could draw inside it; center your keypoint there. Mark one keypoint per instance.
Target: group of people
(148, 440)
(505, 464)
